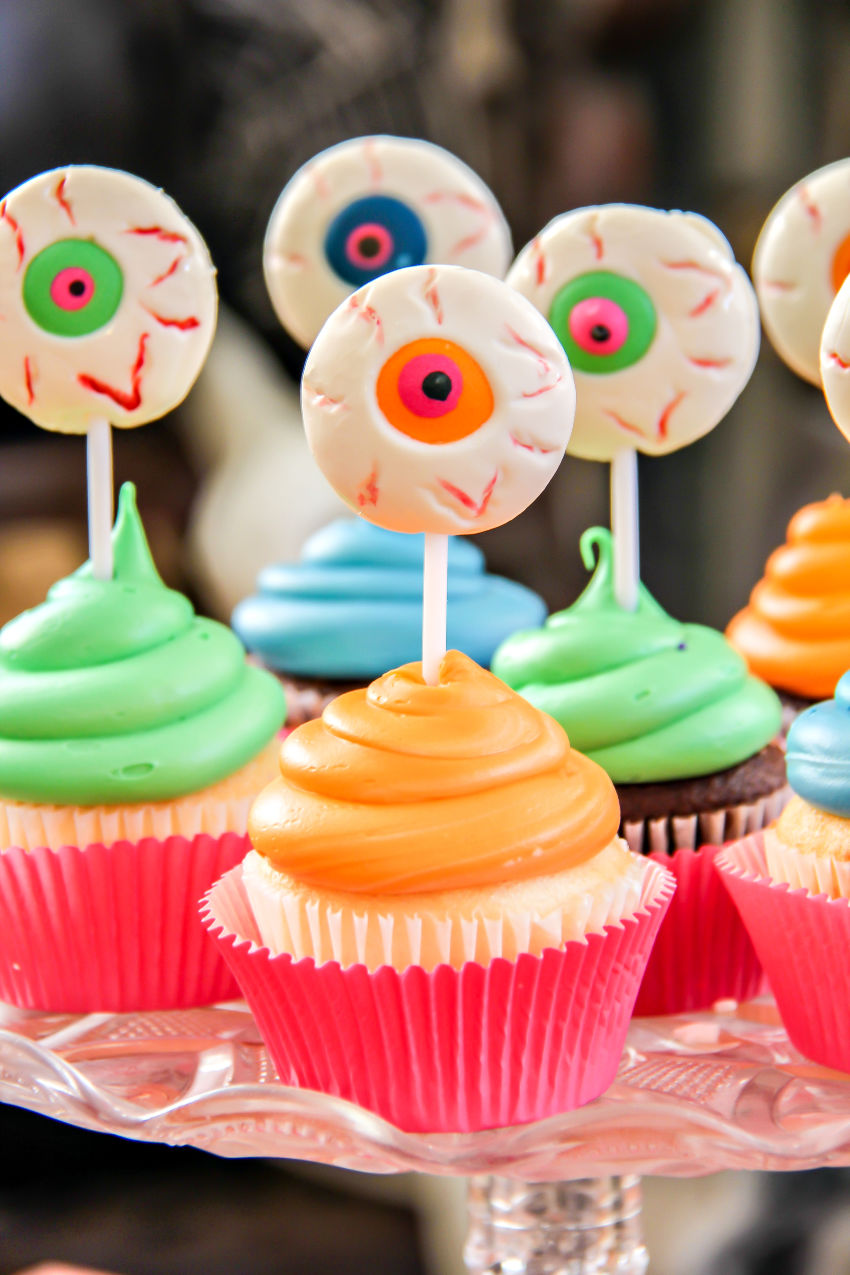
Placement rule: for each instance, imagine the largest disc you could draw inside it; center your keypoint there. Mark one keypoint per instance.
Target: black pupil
(437, 385)
(369, 246)
(76, 287)
(600, 333)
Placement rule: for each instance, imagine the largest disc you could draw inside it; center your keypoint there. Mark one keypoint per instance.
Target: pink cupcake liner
(478, 1047)
(702, 953)
(802, 940)
(113, 928)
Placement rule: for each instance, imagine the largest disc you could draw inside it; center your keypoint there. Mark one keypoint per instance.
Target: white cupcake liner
(817, 873)
(307, 927)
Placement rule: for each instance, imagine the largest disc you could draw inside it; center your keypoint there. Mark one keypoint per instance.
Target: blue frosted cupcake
(352, 607)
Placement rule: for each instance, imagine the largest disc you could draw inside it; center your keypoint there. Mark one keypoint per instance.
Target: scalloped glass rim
(695, 1093)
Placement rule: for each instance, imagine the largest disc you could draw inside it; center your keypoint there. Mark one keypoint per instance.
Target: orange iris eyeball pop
(800, 261)
(437, 399)
(107, 300)
(368, 206)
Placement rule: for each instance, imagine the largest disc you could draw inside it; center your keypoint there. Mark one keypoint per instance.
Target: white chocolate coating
(145, 357)
(406, 483)
(461, 220)
(801, 258)
(706, 338)
(835, 359)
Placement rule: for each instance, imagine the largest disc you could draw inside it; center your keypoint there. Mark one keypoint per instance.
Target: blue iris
(392, 237)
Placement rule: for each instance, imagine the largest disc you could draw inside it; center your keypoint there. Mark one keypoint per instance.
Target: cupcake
(670, 711)
(792, 885)
(438, 919)
(795, 631)
(133, 737)
(352, 607)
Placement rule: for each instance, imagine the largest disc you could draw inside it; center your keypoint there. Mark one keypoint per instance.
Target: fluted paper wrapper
(817, 873)
(702, 953)
(802, 940)
(113, 928)
(712, 827)
(448, 1050)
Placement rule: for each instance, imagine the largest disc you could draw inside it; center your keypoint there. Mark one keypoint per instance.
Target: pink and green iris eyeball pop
(107, 300)
(658, 320)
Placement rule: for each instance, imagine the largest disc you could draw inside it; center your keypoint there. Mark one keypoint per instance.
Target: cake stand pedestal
(695, 1094)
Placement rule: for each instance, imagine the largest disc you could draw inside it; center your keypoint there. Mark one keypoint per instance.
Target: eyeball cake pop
(369, 206)
(835, 359)
(800, 261)
(107, 300)
(659, 322)
(437, 399)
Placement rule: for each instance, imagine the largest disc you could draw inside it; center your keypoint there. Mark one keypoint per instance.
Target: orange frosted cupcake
(438, 919)
(795, 631)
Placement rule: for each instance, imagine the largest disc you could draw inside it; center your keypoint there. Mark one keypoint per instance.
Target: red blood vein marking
(367, 492)
(596, 239)
(532, 447)
(779, 285)
(664, 418)
(432, 296)
(294, 259)
(810, 208)
(544, 389)
(707, 302)
(541, 265)
(323, 189)
(834, 357)
(129, 401)
(466, 500)
(543, 364)
(28, 381)
(373, 163)
(321, 399)
(6, 216)
(184, 325)
(166, 274)
(708, 362)
(59, 196)
(167, 236)
(632, 429)
(370, 314)
(696, 266)
(482, 210)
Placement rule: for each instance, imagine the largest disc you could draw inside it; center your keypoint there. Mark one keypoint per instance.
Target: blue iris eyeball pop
(369, 206)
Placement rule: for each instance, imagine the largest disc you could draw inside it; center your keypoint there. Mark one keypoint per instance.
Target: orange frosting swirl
(403, 788)
(795, 632)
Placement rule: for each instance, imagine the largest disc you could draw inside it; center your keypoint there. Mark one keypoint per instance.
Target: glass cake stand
(694, 1094)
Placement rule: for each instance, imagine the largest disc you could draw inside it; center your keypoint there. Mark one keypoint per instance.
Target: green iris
(72, 287)
(584, 342)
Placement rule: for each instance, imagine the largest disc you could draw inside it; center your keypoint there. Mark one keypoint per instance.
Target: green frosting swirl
(114, 691)
(647, 698)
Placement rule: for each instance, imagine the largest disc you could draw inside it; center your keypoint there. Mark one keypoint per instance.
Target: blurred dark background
(711, 105)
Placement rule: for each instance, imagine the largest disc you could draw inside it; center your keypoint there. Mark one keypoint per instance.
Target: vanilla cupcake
(438, 920)
(133, 737)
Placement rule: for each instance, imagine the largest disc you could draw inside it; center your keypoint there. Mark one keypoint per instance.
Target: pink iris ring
(370, 230)
(411, 381)
(72, 288)
(598, 325)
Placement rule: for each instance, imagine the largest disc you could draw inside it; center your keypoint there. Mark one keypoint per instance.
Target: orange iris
(433, 391)
(841, 263)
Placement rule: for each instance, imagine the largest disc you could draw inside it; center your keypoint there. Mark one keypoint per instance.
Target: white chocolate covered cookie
(437, 399)
(835, 359)
(801, 259)
(107, 300)
(659, 322)
(368, 206)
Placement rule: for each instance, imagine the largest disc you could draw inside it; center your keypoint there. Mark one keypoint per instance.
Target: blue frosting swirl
(352, 607)
(818, 752)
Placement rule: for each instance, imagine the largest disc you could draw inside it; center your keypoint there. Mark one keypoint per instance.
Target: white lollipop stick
(100, 502)
(625, 527)
(434, 594)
